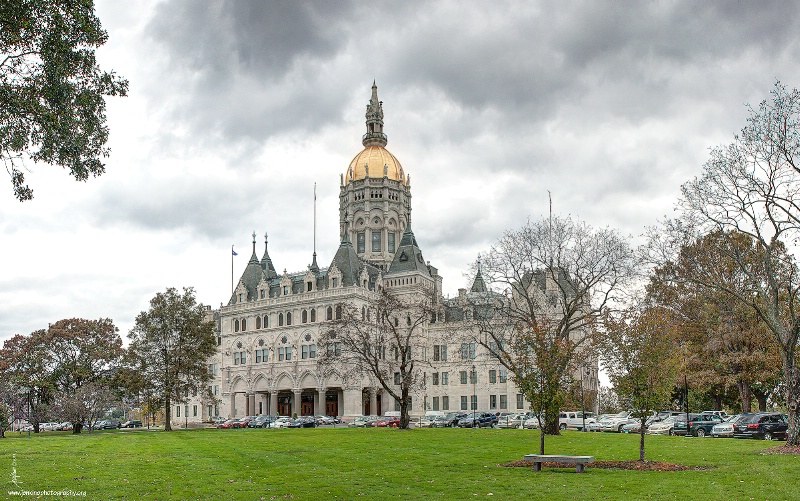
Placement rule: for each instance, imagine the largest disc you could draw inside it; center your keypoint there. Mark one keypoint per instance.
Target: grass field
(383, 464)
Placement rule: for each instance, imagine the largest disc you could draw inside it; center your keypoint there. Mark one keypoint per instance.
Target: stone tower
(375, 196)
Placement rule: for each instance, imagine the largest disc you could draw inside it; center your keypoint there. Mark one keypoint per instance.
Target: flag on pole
(234, 252)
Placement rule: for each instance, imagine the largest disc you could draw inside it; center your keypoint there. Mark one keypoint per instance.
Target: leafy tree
(82, 352)
(170, 344)
(382, 338)
(727, 344)
(638, 353)
(52, 107)
(546, 287)
(29, 372)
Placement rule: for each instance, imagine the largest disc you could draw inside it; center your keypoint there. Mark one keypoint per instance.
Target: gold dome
(375, 162)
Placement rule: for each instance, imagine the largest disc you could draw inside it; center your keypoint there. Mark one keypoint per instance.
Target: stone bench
(578, 461)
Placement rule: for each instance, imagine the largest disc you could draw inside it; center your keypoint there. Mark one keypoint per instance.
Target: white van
(574, 420)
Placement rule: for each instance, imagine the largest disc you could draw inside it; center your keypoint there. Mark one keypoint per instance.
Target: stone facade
(269, 331)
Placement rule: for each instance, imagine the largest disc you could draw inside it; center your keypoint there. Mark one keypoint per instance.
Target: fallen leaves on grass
(783, 449)
(613, 465)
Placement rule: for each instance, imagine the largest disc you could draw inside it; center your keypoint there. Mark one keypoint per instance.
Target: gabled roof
(408, 256)
(347, 261)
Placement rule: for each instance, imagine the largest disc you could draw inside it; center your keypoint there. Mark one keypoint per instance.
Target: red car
(386, 422)
(231, 423)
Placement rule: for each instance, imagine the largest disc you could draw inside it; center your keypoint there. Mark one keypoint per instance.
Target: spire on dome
(374, 121)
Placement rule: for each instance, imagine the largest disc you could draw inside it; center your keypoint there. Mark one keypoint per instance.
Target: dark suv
(701, 426)
(762, 425)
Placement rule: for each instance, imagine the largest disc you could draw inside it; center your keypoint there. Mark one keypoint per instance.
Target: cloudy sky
(237, 108)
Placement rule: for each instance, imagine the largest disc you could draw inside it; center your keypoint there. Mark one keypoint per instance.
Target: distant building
(269, 330)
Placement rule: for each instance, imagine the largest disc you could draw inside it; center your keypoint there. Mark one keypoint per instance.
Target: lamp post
(474, 403)
(583, 405)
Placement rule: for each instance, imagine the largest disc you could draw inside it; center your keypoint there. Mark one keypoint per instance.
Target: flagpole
(232, 254)
(315, 218)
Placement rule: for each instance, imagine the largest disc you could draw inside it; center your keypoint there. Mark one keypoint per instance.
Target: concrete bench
(578, 461)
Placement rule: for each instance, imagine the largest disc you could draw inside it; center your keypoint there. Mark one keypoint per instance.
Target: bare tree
(546, 286)
(383, 338)
(637, 349)
(752, 186)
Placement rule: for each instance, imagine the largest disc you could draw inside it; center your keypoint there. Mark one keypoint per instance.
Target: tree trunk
(792, 381)
(745, 395)
(167, 415)
(404, 419)
(76, 428)
(541, 440)
(717, 401)
(641, 442)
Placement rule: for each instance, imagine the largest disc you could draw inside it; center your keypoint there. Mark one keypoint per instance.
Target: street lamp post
(583, 405)
(474, 403)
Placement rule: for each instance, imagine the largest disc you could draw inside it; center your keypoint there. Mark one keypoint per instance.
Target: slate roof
(408, 256)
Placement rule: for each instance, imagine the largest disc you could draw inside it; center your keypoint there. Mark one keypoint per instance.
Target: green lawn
(383, 464)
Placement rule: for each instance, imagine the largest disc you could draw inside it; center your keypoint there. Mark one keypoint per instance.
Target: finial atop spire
(374, 116)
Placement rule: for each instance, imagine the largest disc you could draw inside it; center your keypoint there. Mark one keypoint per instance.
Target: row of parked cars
(275, 422)
(105, 424)
(759, 425)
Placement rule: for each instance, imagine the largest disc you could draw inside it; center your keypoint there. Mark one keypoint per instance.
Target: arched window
(367, 314)
(258, 322)
(338, 312)
(288, 318)
(363, 312)
(244, 325)
(266, 321)
(313, 315)
(329, 314)
(236, 325)
(280, 319)
(304, 317)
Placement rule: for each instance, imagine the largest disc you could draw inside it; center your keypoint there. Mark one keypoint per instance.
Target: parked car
(281, 422)
(303, 422)
(228, 424)
(449, 420)
(386, 422)
(663, 427)
(362, 421)
(65, 426)
(680, 423)
(49, 426)
(762, 425)
(615, 422)
(257, 422)
(108, 424)
(575, 420)
(133, 423)
(727, 428)
(511, 421)
(702, 426)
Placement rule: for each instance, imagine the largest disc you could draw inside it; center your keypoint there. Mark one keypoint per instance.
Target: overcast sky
(237, 108)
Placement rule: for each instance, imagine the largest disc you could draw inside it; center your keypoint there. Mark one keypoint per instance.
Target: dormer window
(240, 297)
(309, 286)
(263, 293)
(285, 290)
(334, 283)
